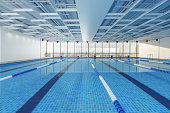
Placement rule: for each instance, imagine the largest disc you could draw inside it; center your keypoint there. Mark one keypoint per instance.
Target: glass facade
(91, 49)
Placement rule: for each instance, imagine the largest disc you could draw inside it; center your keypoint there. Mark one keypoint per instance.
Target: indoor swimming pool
(71, 85)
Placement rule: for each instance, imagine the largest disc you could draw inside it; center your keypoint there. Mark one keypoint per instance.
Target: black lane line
(161, 99)
(20, 67)
(37, 97)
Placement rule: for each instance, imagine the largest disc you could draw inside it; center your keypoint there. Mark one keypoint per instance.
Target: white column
(53, 49)
(88, 49)
(60, 49)
(40, 48)
(81, 49)
(129, 49)
(109, 49)
(102, 49)
(136, 49)
(159, 49)
(46, 50)
(67, 49)
(116, 49)
(74, 49)
(95, 48)
(122, 49)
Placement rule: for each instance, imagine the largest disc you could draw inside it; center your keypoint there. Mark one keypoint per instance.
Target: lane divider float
(151, 61)
(138, 65)
(10, 76)
(109, 91)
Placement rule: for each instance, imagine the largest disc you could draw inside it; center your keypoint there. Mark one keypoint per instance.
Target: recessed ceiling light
(5, 20)
(10, 27)
(28, 29)
(13, 28)
(9, 14)
(45, 25)
(66, 9)
(27, 33)
(61, 27)
(34, 32)
(17, 25)
(16, 17)
(5, 26)
(20, 9)
(48, 14)
(71, 20)
(51, 17)
(73, 24)
(33, 26)
(38, 20)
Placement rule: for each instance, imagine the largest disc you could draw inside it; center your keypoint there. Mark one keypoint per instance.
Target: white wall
(43, 48)
(165, 48)
(153, 50)
(16, 46)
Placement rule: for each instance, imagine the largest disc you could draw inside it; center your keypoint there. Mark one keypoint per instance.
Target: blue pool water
(78, 89)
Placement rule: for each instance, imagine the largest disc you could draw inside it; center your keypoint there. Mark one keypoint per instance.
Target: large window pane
(81, 49)
(126, 49)
(99, 49)
(112, 49)
(78, 49)
(70, 49)
(64, 49)
(57, 49)
(105, 49)
(84, 49)
(91, 49)
(119, 49)
(133, 49)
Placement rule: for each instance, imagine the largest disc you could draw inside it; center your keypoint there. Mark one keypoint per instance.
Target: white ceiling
(92, 20)
(91, 14)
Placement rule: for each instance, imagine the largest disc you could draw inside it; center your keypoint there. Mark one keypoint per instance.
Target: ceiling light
(33, 26)
(9, 14)
(7, 20)
(13, 28)
(67, 9)
(48, 14)
(27, 33)
(71, 20)
(51, 17)
(20, 9)
(10, 27)
(38, 20)
(16, 18)
(34, 32)
(73, 24)
(5, 26)
(45, 25)
(61, 27)
(17, 25)
(28, 29)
